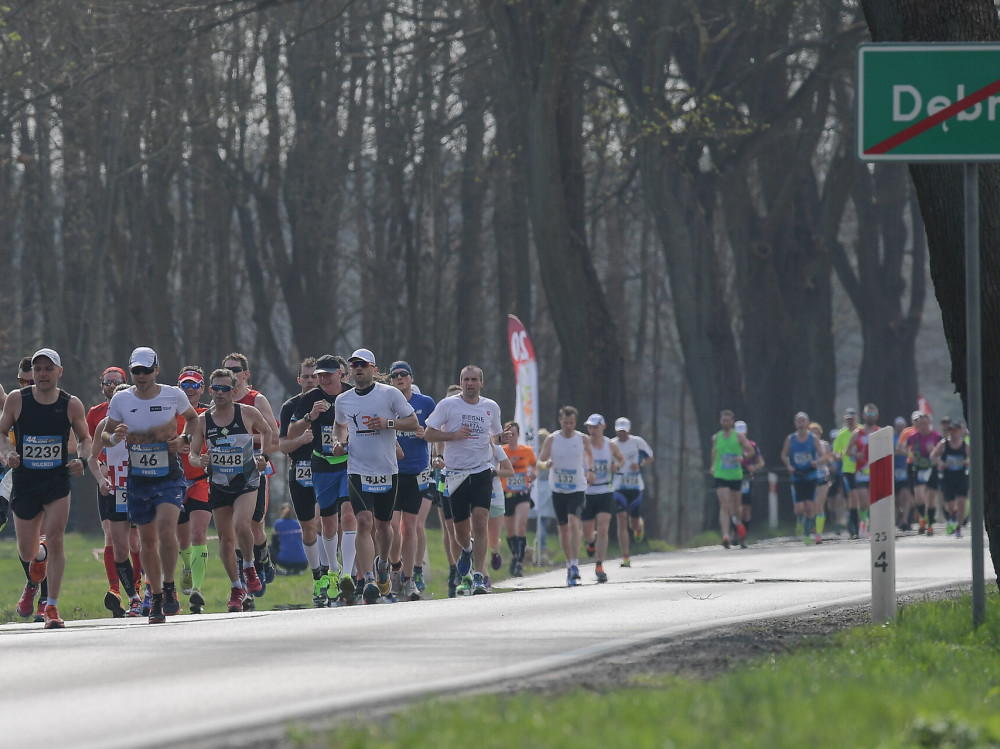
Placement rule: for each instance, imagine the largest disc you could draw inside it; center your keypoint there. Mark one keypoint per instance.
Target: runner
(599, 500)
(750, 464)
(440, 496)
(42, 416)
(415, 475)
(368, 416)
(847, 469)
(729, 448)
(300, 480)
(801, 456)
(822, 479)
(234, 471)
(315, 415)
(239, 365)
(145, 417)
(901, 475)
(517, 497)
(903, 448)
(921, 443)
(858, 450)
(629, 485)
(192, 526)
(570, 460)
(503, 469)
(467, 425)
(115, 546)
(952, 458)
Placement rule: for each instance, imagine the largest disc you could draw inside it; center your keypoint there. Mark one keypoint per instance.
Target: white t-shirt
(483, 417)
(151, 423)
(626, 478)
(371, 452)
(568, 473)
(499, 456)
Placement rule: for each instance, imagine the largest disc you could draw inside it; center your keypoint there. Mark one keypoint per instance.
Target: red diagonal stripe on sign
(881, 477)
(935, 119)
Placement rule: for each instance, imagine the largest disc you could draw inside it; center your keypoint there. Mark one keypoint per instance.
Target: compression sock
(931, 515)
(330, 544)
(512, 544)
(199, 564)
(109, 567)
(348, 551)
(185, 555)
(136, 568)
(312, 555)
(126, 576)
(820, 523)
(853, 523)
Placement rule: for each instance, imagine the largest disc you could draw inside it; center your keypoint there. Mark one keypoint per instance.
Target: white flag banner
(522, 353)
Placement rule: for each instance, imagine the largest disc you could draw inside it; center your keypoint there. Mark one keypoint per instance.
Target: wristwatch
(390, 423)
(307, 418)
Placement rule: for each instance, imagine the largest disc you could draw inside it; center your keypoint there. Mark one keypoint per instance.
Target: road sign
(928, 102)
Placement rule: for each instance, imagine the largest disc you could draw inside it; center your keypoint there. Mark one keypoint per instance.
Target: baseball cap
(899, 421)
(740, 427)
(49, 354)
(362, 354)
(623, 425)
(594, 420)
(327, 364)
(116, 370)
(850, 412)
(143, 357)
(915, 415)
(189, 375)
(400, 366)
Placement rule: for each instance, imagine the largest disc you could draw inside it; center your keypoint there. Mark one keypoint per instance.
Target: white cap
(594, 420)
(623, 425)
(916, 415)
(143, 357)
(363, 354)
(48, 353)
(740, 427)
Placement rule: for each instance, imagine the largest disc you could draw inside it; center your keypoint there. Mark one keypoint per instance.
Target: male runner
(629, 484)
(234, 474)
(729, 448)
(192, 527)
(848, 468)
(568, 456)
(368, 416)
(952, 458)
(921, 443)
(801, 454)
(858, 449)
(467, 424)
(750, 465)
(42, 416)
(517, 497)
(145, 416)
(415, 475)
(599, 500)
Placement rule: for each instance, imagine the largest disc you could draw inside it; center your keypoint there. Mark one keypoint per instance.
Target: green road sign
(928, 102)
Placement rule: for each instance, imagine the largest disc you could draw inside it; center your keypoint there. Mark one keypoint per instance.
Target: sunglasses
(109, 383)
(21, 381)
(222, 388)
(189, 385)
(142, 370)
(237, 369)
(398, 375)
(359, 365)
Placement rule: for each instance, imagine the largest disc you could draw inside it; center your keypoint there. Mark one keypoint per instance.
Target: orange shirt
(199, 489)
(904, 437)
(522, 458)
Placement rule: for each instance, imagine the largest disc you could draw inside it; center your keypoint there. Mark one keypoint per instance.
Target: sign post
(882, 519)
(941, 102)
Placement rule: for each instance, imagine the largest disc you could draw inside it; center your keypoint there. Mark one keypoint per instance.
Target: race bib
(802, 460)
(424, 478)
(149, 461)
(630, 480)
(41, 452)
(303, 473)
(601, 471)
(745, 486)
(901, 474)
(227, 461)
(453, 480)
(518, 483)
(730, 461)
(376, 484)
(955, 462)
(564, 479)
(327, 436)
(121, 499)
(924, 475)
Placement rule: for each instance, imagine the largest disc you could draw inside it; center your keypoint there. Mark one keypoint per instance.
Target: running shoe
(487, 583)
(186, 581)
(923, 526)
(114, 604)
(725, 542)
(819, 539)
(410, 591)
(452, 583)
(197, 601)
(478, 584)
(321, 588)
(464, 563)
(570, 580)
(134, 608)
(383, 582)
(591, 548)
(171, 605)
(949, 528)
(36, 569)
(741, 530)
(146, 602)
(930, 529)
(254, 586)
(601, 575)
(395, 582)
(626, 562)
(641, 533)
(26, 604)
(418, 579)
(236, 596)
(156, 615)
(518, 568)
(465, 585)
(248, 602)
(371, 592)
(958, 531)
(496, 561)
(347, 586)
(574, 571)
(269, 570)
(40, 611)
(52, 620)
(743, 543)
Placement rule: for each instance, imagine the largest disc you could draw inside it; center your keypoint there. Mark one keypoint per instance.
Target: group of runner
(927, 466)
(366, 463)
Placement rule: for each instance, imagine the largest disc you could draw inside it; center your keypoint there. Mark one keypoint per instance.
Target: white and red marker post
(882, 525)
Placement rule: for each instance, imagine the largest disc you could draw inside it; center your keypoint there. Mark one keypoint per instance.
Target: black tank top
(230, 450)
(42, 432)
(954, 457)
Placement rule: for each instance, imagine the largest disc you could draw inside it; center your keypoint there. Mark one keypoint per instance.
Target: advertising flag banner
(522, 353)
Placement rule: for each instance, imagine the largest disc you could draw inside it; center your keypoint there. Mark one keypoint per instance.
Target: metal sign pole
(974, 386)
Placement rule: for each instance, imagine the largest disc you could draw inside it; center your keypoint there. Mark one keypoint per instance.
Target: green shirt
(728, 457)
(840, 448)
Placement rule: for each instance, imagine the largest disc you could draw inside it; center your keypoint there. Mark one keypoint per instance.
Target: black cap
(327, 363)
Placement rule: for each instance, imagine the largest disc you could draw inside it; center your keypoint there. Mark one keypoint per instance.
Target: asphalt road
(196, 678)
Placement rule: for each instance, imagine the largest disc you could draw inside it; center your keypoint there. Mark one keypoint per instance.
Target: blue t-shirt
(289, 535)
(416, 456)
